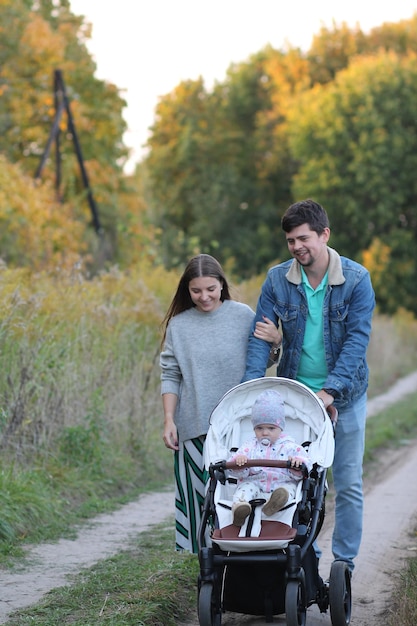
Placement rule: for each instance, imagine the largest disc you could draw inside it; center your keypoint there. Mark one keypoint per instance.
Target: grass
(148, 585)
(392, 350)
(49, 500)
(404, 606)
(391, 427)
(395, 427)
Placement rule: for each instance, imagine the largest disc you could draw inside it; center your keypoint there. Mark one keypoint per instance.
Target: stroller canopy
(306, 419)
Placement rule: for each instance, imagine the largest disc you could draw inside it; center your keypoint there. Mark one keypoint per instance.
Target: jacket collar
(335, 275)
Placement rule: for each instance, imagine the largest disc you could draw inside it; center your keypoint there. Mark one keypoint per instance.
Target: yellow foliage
(35, 230)
(376, 259)
(41, 43)
(64, 299)
(41, 49)
(161, 282)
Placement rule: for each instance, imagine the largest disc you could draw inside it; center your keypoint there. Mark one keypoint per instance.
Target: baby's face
(267, 433)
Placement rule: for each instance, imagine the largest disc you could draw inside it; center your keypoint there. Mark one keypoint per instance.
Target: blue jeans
(347, 477)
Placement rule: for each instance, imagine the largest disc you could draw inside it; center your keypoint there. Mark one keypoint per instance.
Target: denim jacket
(347, 316)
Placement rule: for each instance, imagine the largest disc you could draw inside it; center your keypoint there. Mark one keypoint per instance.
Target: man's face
(306, 246)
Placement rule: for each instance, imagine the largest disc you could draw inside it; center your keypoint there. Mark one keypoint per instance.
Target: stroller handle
(232, 465)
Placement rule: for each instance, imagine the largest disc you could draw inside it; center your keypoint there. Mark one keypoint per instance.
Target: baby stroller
(269, 566)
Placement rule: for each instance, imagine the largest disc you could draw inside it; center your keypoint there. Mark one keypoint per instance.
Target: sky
(147, 47)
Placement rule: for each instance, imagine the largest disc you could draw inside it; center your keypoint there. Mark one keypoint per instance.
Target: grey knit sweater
(203, 357)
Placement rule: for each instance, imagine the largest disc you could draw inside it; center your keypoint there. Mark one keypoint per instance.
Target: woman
(203, 356)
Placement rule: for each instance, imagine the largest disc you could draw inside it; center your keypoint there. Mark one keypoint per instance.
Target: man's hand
(326, 398)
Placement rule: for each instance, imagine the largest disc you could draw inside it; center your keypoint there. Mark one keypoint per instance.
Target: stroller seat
(258, 531)
(230, 426)
(271, 532)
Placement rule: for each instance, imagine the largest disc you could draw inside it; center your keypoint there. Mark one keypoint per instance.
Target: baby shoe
(278, 498)
(240, 512)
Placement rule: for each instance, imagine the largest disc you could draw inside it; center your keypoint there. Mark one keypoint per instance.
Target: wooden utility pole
(62, 104)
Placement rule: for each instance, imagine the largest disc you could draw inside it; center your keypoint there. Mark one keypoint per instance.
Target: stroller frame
(261, 579)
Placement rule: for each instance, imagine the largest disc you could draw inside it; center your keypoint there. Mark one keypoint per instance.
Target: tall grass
(78, 357)
(79, 396)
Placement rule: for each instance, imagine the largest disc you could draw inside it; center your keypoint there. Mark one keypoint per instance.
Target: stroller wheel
(340, 594)
(295, 603)
(208, 613)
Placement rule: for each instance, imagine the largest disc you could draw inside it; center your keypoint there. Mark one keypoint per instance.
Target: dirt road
(390, 515)
(52, 564)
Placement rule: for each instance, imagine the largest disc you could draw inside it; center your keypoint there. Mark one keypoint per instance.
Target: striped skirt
(190, 488)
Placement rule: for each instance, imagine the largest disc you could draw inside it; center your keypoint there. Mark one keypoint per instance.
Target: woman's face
(205, 292)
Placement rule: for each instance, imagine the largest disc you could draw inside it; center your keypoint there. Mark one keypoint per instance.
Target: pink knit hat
(269, 408)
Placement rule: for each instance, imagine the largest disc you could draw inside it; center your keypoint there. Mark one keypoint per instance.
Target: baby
(270, 442)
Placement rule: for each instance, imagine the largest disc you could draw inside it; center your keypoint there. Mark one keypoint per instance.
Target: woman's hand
(267, 331)
(170, 435)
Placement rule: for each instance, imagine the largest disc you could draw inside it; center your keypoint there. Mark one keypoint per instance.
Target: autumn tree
(332, 49)
(36, 39)
(135, 228)
(36, 231)
(399, 37)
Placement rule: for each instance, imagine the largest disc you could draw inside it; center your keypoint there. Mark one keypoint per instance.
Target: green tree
(224, 164)
(332, 49)
(355, 142)
(217, 170)
(393, 270)
(176, 164)
(242, 192)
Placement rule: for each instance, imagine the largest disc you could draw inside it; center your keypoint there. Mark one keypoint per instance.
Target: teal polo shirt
(312, 370)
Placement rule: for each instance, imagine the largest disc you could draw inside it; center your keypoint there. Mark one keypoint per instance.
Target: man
(324, 305)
